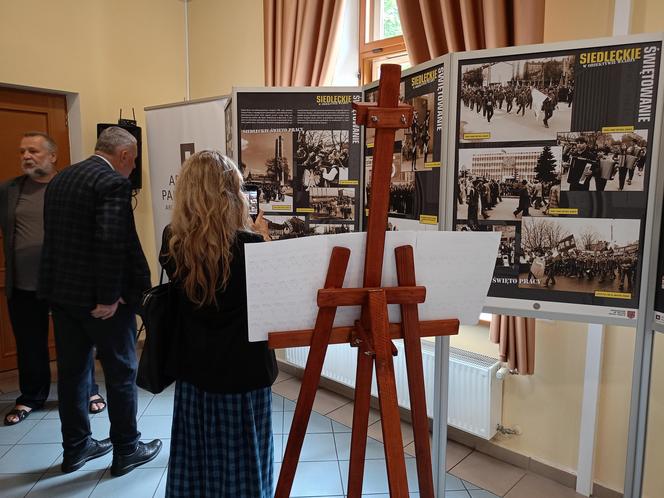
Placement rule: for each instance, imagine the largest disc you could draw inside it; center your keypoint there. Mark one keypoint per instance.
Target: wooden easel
(372, 334)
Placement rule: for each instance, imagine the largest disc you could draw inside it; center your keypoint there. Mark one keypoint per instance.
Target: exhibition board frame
(643, 322)
(233, 105)
(552, 309)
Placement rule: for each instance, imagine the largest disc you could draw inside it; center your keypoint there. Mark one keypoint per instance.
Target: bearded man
(22, 224)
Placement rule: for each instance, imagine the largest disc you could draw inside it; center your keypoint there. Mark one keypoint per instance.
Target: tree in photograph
(589, 238)
(545, 170)
(552, 71)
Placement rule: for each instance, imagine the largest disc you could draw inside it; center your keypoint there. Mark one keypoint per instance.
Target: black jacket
(9, 193)
(91, 253)
(211, 347)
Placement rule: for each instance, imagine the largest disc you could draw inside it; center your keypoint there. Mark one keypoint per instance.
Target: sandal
(99, 400)
(20, 414)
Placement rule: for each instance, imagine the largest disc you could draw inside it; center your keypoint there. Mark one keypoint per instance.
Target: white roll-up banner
(174, 132)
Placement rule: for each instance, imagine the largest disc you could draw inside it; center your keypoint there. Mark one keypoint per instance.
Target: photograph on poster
(417, 145)
(332, 203)
(520, 99)
(267, 163)
(321, 158)
(402, 187)
(597, 161)
(331, 228)
(228, 127)
(506, 259)
(406, 225)
(507, 183)
(588, 255)
(286, 227)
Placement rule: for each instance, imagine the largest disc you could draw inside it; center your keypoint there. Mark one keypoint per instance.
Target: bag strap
(161, 275)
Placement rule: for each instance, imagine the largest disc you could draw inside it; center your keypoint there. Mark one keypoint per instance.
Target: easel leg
(387, 396)
(410, 322)
(358, 443)
(305, 401)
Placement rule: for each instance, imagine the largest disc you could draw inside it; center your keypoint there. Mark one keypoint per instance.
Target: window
(381, 39)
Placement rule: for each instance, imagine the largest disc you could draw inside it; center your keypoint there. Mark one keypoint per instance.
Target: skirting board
(567, 479)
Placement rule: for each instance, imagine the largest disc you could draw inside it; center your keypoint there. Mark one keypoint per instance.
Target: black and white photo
(520, 99)
(417, 145)
(321, 158)
(332, 203)
(598, 161)
(402, 187)
(267, 163)
(591, 255)
(286, 227)
(508, 183)
(330, 228)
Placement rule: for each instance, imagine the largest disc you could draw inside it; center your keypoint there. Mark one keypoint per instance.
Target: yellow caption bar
(614, 295)
(428, 219)
(563, 211)
(349, 182)
(432, 165)
(281, 208)
(616, 129)
(304, 210)
(476, 136)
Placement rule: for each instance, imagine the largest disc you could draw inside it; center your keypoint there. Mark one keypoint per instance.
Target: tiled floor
(30, 454)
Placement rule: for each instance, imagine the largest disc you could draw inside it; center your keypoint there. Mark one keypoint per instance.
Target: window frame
(370, 51)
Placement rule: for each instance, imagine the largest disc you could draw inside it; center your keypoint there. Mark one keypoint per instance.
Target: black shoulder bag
(159, 319)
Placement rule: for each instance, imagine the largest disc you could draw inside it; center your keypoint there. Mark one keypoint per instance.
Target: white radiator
(475, 395)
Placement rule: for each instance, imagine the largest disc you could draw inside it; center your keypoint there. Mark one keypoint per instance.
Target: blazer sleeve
(112, 229)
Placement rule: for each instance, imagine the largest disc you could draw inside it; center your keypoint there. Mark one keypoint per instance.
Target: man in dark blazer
(93, 272)
(21, 221)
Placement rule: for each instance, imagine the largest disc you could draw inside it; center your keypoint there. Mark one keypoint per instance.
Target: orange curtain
(300, 41)
(516, 339)
(432, 28)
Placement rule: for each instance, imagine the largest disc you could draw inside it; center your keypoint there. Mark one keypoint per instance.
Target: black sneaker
(94, 450)
(145, 452)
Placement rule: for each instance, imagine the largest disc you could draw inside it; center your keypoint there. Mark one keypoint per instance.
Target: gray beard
(38, 172)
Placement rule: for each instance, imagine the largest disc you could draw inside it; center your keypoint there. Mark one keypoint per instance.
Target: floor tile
(457, 494)
(74, 485)
(289, 405)
(161, 489)
(277, 403)
(317, 423)
(488, 473)
(481, 493)
(470, 486)
(317, 479)
(376, 431)
(29, 458)
(17, 485)
(327, 401)
(282, 377)
(100, 427)
(534, 486)
(375, 476)
(101, 463)
(277, 422)
(318, 448)
(160, 405)
(344, 415)
(278, 443)
(46, 431)
(340, 428)
(142, 482)
(4, 448)
(155, 426)
(455, 453)
(375, 450)
(289, 389)
(453, 483)
(410, 448)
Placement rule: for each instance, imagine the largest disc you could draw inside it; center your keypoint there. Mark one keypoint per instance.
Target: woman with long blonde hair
(221, 441)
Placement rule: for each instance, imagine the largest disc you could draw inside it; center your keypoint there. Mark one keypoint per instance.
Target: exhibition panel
(301, 148)
(415, 189)
(554, 146)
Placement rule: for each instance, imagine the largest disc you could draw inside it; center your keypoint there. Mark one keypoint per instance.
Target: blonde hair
(210, 208)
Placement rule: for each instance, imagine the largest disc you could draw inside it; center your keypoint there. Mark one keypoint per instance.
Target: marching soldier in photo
(424, 136)
(626, 164)
(524, 200)
(548, 106)
(582, 165)
(509, 99)
(489, 104)
(607, 169)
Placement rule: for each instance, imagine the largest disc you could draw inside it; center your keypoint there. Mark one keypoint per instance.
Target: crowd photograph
(521, 99)
(598, 161)
(402, 187)
(579, 254)
(267, 163)
(321, 158)
(507, 255)
(331, 228)
(332, 203)
(507, 184)
(286, 227)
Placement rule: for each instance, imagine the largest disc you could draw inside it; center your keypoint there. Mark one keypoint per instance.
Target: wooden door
(22, 111)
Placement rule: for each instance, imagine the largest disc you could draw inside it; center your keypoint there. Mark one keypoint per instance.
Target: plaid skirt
(221, 444)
